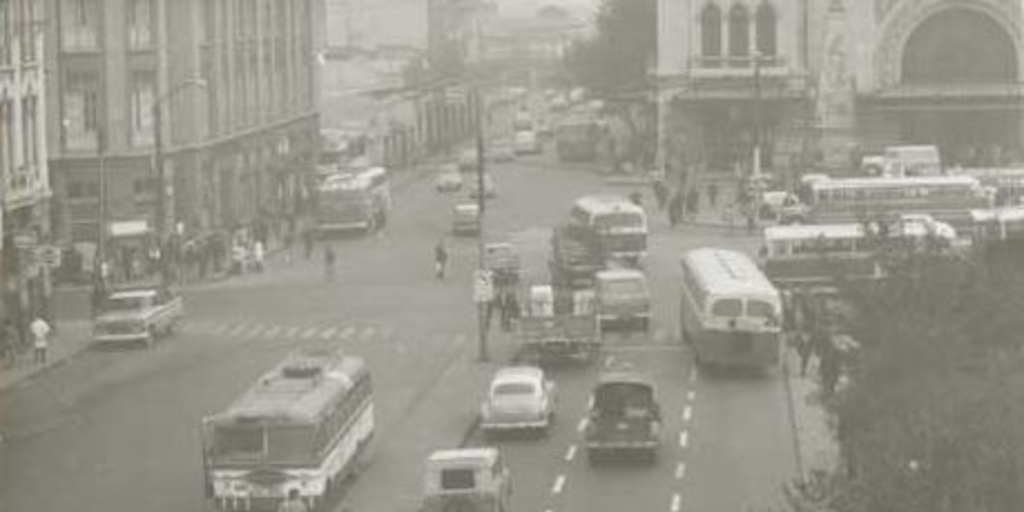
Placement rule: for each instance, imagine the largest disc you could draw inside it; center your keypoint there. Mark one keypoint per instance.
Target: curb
(28, 379)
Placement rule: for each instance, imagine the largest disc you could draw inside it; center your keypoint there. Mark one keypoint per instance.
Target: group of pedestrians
(812, 332)
(680, 205)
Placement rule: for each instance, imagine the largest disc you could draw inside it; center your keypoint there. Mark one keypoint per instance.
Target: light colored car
(502, 151)
(527, 143)
(138, 315)
(466, 219)
(519, 398)
(448, 180)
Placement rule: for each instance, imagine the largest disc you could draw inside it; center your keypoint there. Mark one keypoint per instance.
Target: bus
(1000, 226)
(816, 254)
(620, 225)
(851, 200)
(354, 201)
(305, 426)
(729, 313)
(1008, 182)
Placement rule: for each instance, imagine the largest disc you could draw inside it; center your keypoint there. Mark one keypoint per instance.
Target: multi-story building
(24, 178)
(228, 89)
(803, 78)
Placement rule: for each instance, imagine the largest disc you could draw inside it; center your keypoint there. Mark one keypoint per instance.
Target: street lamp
(158, 150)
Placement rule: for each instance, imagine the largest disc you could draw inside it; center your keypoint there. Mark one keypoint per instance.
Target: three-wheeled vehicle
(558, 325)
(466, 480)
(625, 417)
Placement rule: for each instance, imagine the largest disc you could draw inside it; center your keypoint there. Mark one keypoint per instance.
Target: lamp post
(158, 150)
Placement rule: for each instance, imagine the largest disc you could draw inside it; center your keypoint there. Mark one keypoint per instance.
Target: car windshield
(618, 220)
(514, 389)
(125, 303)
(627, 287)
(623, 398)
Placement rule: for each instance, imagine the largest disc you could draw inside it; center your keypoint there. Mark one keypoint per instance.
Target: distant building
(24, 177)
(825, 81)
(370, 24)
(236, 85)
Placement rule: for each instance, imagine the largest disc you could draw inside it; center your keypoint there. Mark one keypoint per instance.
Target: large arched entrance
(962, 65)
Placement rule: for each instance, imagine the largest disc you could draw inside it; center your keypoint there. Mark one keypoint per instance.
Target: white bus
(354, 201)
(730, 314)
(850, 200)
(620, 225)
(305, 426)
(817, 254)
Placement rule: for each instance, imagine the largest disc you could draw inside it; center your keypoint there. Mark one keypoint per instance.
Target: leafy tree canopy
(616, 59)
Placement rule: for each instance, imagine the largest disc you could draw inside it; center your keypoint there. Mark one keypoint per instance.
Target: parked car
(502, 151)
(466, 219)
(519, 398)
(526, 143)
(138, 315)
(448, 180)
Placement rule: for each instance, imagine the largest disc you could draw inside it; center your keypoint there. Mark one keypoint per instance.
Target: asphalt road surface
(118, 430)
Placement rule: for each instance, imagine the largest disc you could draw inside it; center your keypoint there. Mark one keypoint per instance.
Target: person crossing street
(440, 259)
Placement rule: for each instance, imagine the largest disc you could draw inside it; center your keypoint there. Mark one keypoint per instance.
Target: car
(527, 143)
(623, 300)
(519, 398)
(466, 219)
(490, 190)
(138, 314)
(467, 161)
(624, 418)
(502, 151)
(448, 180)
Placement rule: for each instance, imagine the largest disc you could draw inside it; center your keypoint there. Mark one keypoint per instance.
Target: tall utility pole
(158, 151)
(756, 164)
(481, 159)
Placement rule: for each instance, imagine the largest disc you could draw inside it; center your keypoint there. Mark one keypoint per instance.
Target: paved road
(116, 430)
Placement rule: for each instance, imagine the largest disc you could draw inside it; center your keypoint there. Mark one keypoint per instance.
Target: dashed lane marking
(559, 485)
(308, 333)
(677, 502)
(687, 413)
(255, 331)
(691, 395)
(582, 425)
(680, 470)
(571, 453)
(329, 333)
(684, 439)
(608, 361)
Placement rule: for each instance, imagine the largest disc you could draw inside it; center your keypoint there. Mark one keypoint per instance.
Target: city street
(119, 429)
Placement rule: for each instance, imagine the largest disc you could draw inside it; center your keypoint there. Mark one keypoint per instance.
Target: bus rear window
(618, 220)
(291, 444)
(238, 443)
(456, 479)
(727, 308)
(760, 309)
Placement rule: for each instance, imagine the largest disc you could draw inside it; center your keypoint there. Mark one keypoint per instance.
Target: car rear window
(455, 479)
(514, 388)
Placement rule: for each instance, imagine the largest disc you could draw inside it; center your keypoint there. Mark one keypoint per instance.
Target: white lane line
(571, 454)
(680, 470)
(691, 395)
(329, 333)
(559, 485)
(677, 502)
(309, 333)
(274, 329)
(687, 413)
(347, 333)
(582, 425)
(684, 439)
(292, 332)
(622, 349)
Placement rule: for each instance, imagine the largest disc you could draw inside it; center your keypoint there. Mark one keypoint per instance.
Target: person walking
(329, 261)
(675, 209)
(440, 259)
(41, 342)
(259, 253)
(692, 203)
(307, 240)
(660, 193)
(293, 503)
(830, 369)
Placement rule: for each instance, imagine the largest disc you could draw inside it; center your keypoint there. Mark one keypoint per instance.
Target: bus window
(238, 443)
(727, 308)
(291, 444)
(760, 309)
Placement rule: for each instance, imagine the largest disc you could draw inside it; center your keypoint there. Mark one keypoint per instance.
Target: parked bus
(729, 312)
(850, 200)
(1008, 182)
(620, 225)
(305, 426)
(354, 201)
(817, 254)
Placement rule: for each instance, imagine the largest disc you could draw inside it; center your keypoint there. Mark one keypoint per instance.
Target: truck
(576, 256)
(466, 480)
(556, 329)
(137, 314)
(624, 417)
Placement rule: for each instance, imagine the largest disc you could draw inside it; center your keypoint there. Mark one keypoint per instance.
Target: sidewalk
(71, 338)
(813, 426)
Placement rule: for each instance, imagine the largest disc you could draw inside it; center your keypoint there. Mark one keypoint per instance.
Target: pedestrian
(729, 215)
(440, 259)
(660, 193)
(307, 240)
(803, 350)
(329, 260)
(293, 503)
(692, 202)
(258, 254)
(712, 193)
(41, 343)
(98, 295)
(675, 209)
(513, 308)
(830, 368)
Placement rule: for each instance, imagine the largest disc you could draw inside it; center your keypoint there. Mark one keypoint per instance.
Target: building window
(30, 136)
(711, 31)
(6, 139)
(79, 24)
(30, 15)
(81, 110)
(140, 108)
(766, 30)
(739, 31)
(140, 24)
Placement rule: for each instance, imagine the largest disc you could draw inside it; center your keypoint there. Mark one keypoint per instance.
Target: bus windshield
(618, 220)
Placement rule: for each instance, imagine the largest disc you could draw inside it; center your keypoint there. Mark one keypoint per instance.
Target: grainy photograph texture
(512, 255)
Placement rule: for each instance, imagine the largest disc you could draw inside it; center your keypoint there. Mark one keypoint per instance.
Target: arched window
(711, 31)
(739, 31)
(766, 30)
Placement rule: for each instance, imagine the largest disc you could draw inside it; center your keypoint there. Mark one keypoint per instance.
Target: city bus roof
(725, 272)
(299, 390)
(607, 204)
(813, 231)
(885, 182)
(479, 457)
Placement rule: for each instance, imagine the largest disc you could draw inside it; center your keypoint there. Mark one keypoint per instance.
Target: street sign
(483, 286)
(48, 255)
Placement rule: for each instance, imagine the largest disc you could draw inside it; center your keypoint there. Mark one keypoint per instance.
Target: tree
(615, 60)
